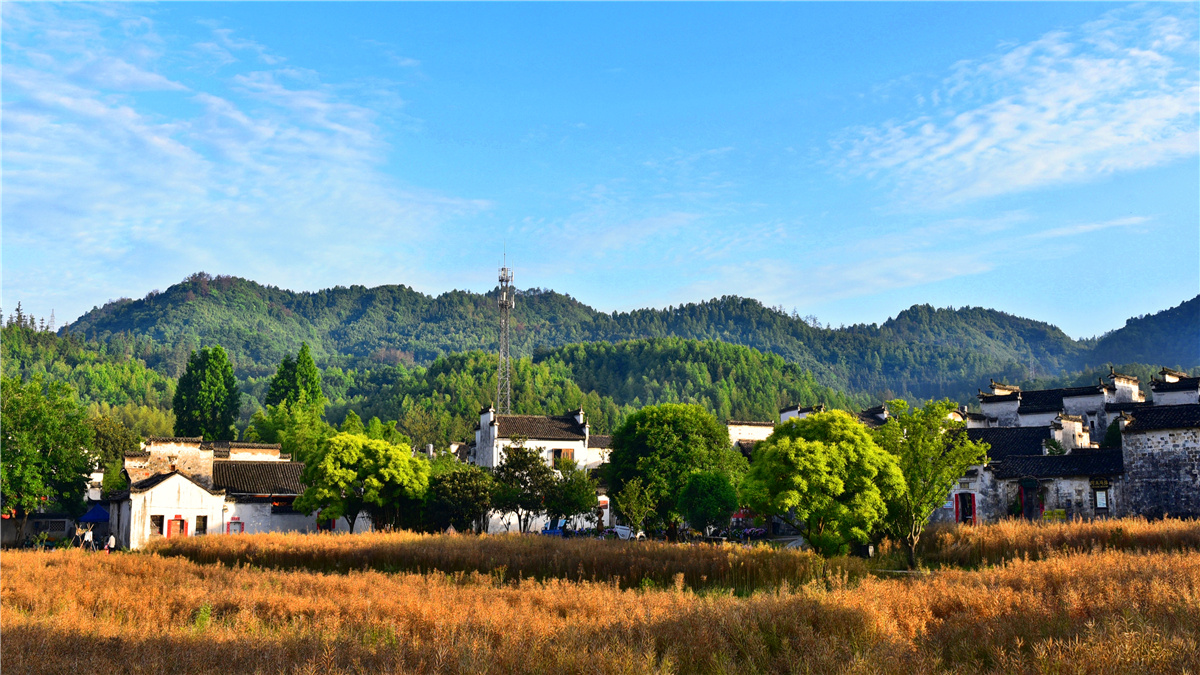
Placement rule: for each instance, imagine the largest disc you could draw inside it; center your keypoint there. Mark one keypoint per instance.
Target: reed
(744, 569)
(73, 612)
(972, 546)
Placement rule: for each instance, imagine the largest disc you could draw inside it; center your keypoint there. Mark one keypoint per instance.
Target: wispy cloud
(1117, 94)
(271, 173)
(1086, 228)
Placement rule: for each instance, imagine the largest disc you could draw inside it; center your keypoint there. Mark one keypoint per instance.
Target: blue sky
(839, 160)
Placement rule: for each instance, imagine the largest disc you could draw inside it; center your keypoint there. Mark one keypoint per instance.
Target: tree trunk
(350, 520)
(912, 551)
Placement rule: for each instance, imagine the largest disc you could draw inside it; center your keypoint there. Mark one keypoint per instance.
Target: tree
(663, 445)
(635, 503)
(825, 476)
(349, 471)
(353, 424)
(523, 480)
(461, 497)
(572, 493)
(293, 377)
(708, 499)
(933, 452)
(111, 440)
(46, 447)
(1112, 436)
(296, 426)
(207, 399)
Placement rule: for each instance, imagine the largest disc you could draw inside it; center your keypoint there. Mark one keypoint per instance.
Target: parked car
(626, 533)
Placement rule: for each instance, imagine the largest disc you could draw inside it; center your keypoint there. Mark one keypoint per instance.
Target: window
(156, 526)
(568, 453)
(201, 525)
(1101, 499)
(235, 527)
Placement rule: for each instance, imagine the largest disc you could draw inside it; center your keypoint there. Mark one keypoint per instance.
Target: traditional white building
(182, 487)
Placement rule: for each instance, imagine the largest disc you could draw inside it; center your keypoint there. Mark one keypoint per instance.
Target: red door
(176, 527)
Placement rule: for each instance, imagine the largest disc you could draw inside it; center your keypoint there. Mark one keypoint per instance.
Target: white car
(626, 533)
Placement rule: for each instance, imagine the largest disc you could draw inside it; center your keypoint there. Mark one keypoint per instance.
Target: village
(1100, 451)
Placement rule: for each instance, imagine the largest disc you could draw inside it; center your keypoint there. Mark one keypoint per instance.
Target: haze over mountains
(922, 352)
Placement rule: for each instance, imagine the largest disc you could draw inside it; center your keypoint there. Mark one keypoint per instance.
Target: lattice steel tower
(506, 302)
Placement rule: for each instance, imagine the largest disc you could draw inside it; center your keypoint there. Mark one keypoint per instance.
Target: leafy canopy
(708, 500)
(349, 471)
(46, 446)
(207, 398)
(933, 452)
(573, 492)
(663, 445)
(825, 476)
(523, 480)
(460, 497)
(634, 503)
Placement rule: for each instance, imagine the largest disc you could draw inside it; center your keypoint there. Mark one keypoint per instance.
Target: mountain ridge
(922, 352)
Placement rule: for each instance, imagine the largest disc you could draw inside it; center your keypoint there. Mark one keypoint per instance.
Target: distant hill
(1170, 337)
(923, 352)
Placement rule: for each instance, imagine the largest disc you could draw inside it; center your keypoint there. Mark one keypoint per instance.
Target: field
(283, 606)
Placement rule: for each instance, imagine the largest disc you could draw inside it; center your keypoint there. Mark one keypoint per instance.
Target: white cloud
(1116, 95)
(271, 174)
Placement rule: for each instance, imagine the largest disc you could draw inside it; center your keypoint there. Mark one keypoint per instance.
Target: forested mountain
(1170, 337)
(921, 353)
(440, 403)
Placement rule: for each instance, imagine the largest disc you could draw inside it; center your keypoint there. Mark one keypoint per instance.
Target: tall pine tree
(207, 398)
(292, 376)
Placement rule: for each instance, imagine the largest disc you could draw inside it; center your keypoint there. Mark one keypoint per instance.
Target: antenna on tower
(51, 327)
(506, 302)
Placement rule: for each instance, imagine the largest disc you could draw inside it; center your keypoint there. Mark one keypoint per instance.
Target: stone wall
(1162, 473)
(184, 456)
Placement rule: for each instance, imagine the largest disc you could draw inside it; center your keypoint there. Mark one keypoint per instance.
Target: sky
(838, 160)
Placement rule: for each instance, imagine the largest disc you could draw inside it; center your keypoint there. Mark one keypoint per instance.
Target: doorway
(964, 508)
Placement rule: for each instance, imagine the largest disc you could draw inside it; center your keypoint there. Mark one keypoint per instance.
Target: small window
(156, 526)
(964, 485)
(568, 453)
(201, 525)
(1101, 499)
(235, 527)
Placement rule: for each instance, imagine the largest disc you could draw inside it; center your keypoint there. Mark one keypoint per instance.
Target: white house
(184, 487)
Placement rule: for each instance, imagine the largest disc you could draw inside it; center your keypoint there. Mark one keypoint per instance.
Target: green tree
(349, 471)
(825, 476)
(708, 500)
(111, 440)
(635, 503)
(297, 426)
(207, 398)
(461, 497)
(353, 424)
(572, 493)
(663, 445)
(295, 376)
(523, 479)
(45, 455)
(1112, 436)
(933, 452)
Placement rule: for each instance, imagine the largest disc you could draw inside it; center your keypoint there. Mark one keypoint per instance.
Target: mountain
(923, 352)
(1170, 337)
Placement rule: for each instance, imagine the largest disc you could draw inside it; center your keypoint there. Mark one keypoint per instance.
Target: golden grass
(629, 564)
(1109, 612)
(1009, 539)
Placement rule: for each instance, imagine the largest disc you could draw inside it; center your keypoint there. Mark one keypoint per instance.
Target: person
(88, 542)
(112, 543)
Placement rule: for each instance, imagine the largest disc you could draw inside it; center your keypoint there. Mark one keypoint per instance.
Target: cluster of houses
(1045, 462)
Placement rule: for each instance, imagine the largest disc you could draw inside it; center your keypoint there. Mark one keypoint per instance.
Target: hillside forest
(428, 363)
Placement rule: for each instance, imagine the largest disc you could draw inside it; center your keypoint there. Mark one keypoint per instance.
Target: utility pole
(506, 302)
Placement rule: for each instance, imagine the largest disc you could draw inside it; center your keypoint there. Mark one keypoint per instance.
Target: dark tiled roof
(820, 407)
(1009, 441)
(745, 423)
(1125, 406)
(258, 478)
(870, 416)
(174, 439)
(998, 398)
(540, 427)
(138, 453)
(599, 441)
(1151, 418)
(746, 448)
(1184, 384)
(1078, 463)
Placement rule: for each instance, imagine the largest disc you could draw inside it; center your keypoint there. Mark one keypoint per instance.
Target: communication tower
(506, 302)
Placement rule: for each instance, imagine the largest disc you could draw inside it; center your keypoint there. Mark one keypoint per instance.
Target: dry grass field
(1089, 611)
(628, 564)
